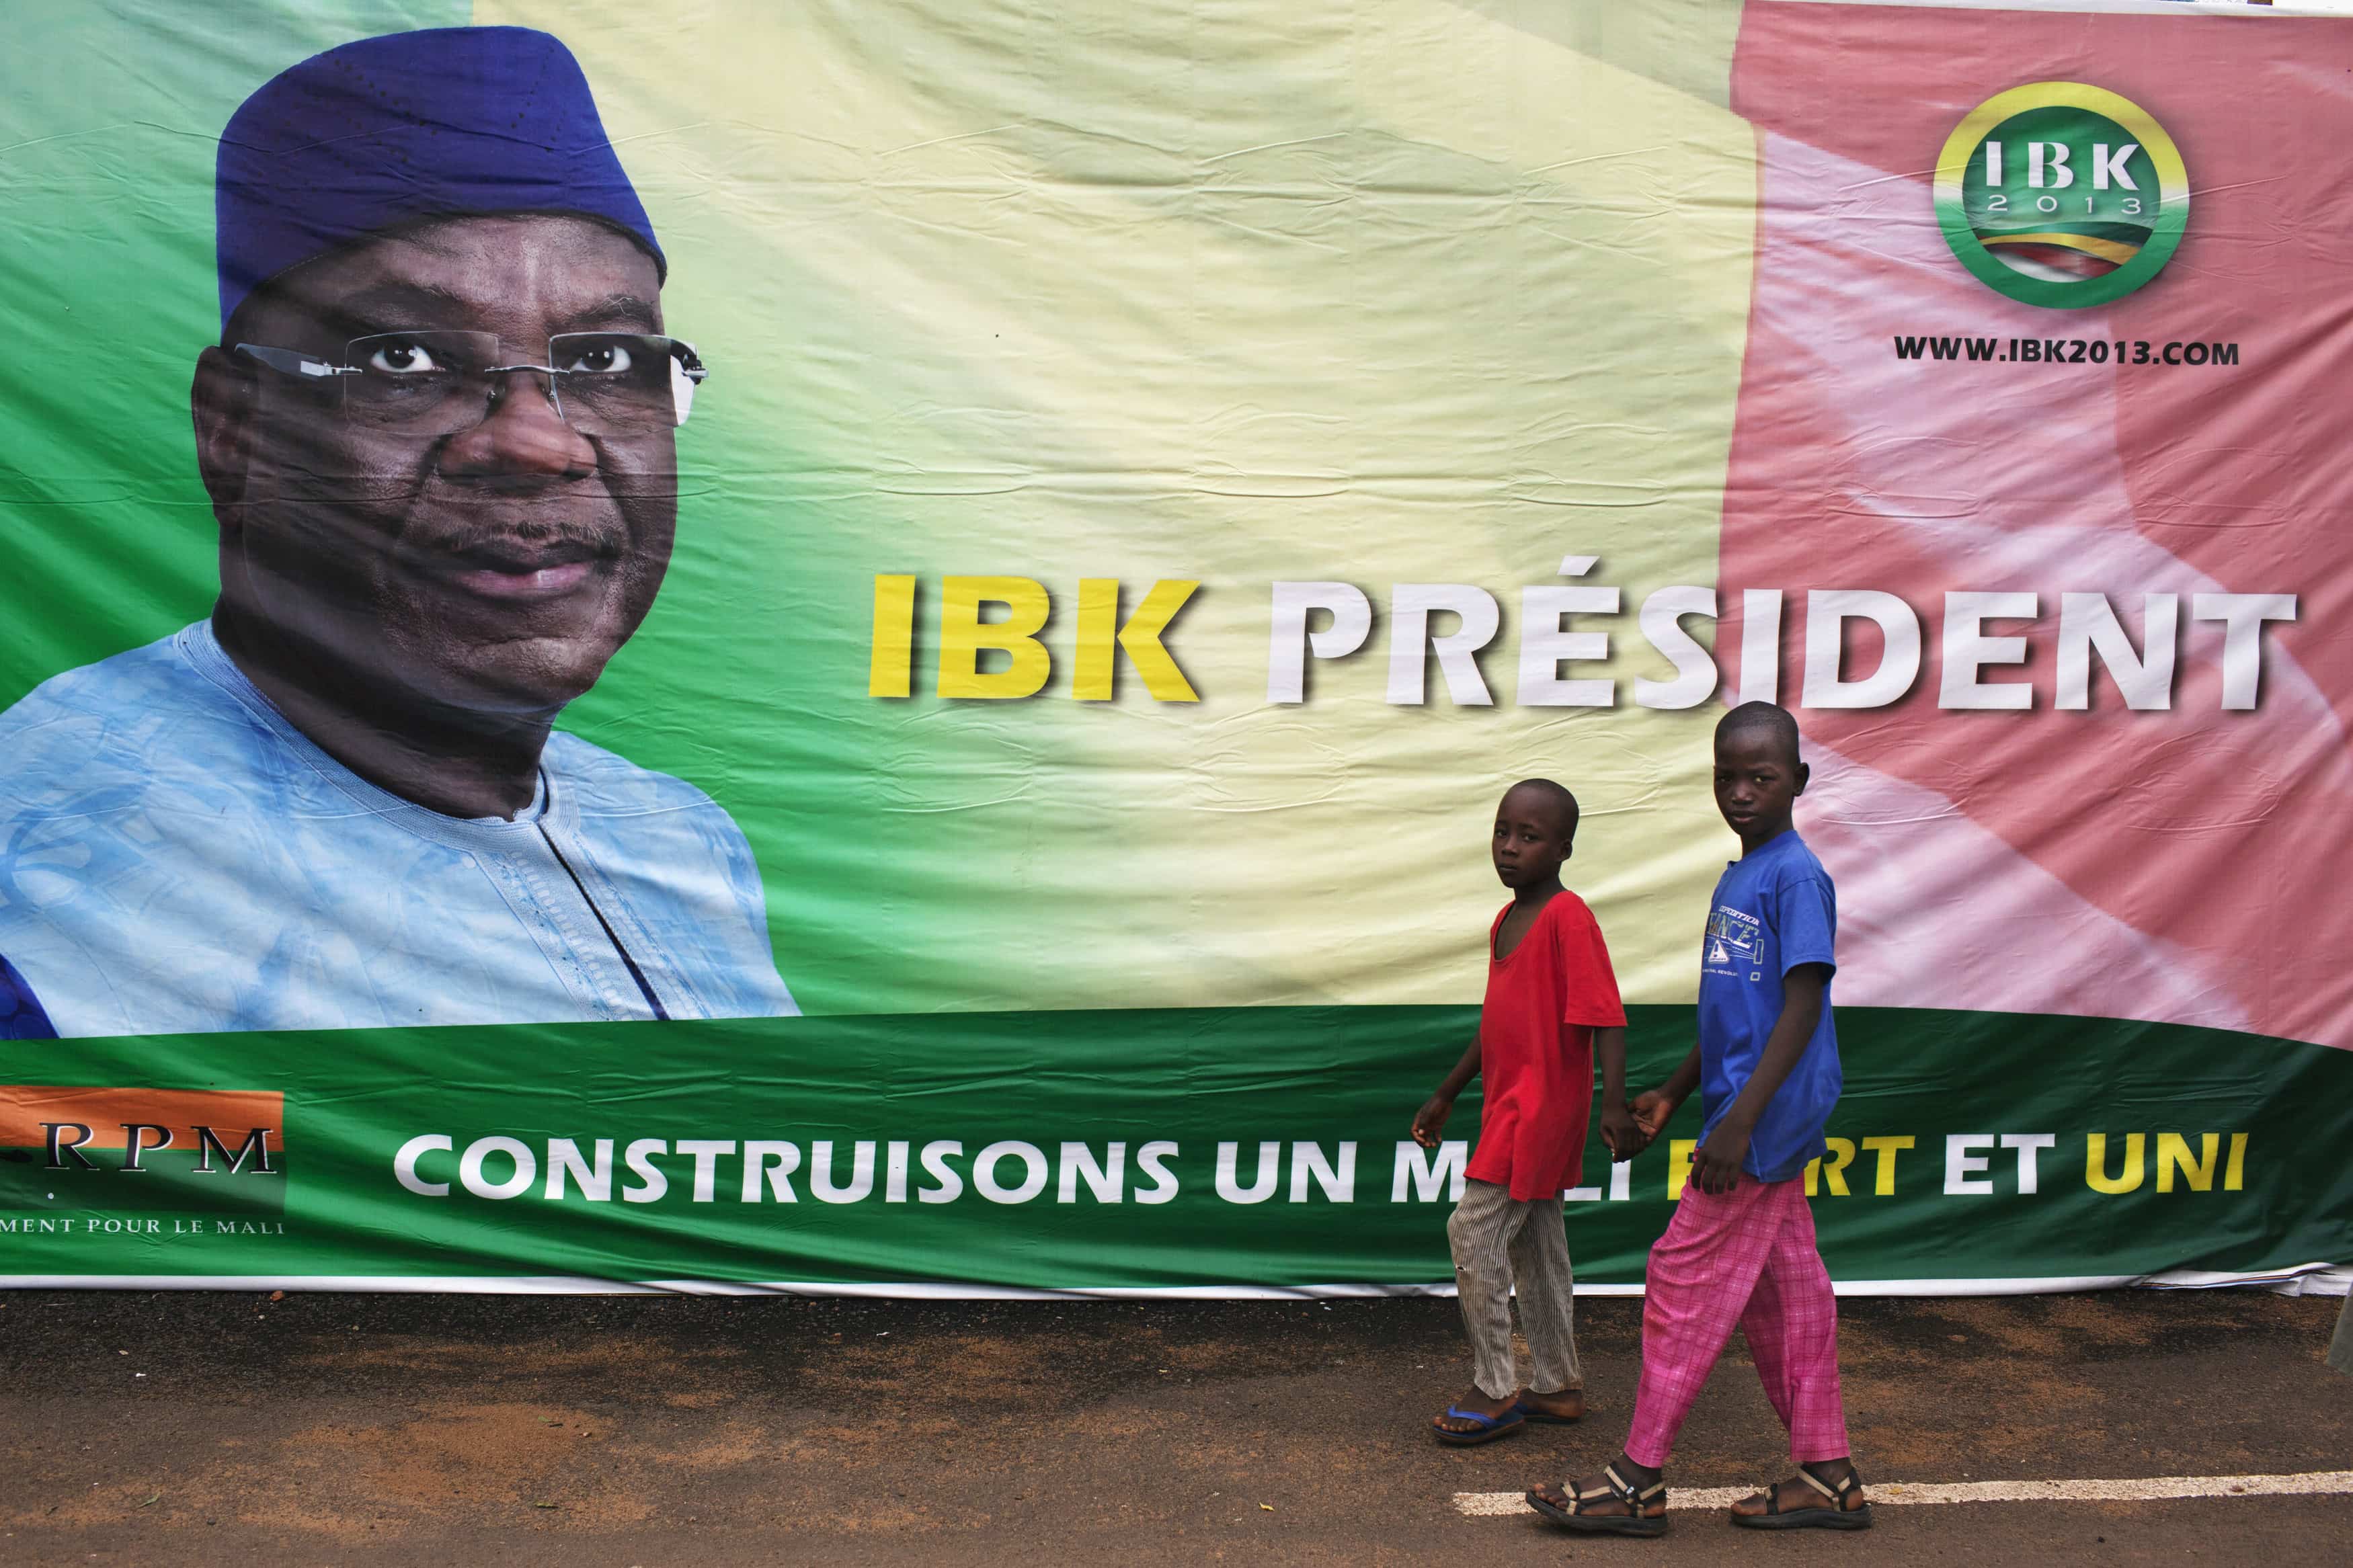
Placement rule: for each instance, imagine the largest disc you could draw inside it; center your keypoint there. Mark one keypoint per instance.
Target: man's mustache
(515, 542)
(529, 547)
(502, 534)
(323, 486)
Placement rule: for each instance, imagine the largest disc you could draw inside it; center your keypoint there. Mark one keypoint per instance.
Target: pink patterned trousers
(1745, 1256)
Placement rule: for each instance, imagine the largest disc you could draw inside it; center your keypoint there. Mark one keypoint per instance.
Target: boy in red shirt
(1551, 1004)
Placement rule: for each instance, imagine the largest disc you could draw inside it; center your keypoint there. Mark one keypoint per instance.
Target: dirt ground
(657, 1431)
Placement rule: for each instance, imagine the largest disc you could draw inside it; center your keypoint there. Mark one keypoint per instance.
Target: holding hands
(1629, 1132)
(1653, 1109)
(1622, 1130)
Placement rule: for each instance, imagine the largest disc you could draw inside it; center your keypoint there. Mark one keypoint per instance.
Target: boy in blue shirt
(1740, 1250)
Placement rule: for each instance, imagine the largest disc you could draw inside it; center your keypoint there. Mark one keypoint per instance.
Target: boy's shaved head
(1557, 800)
(1768, 718)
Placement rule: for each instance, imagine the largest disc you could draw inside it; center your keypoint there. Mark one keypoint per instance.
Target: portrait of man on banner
(438, 434)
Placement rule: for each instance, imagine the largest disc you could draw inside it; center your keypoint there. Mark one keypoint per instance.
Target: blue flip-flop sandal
(1490, 1426)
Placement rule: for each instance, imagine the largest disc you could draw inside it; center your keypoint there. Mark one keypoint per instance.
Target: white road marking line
(2152, 1489)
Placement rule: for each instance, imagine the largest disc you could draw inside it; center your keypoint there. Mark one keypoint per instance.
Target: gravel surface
(654, 1431)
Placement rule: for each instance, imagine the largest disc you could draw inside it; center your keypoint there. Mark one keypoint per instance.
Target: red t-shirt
(1536, 1049)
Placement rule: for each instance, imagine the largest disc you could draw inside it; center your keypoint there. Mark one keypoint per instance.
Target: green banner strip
(1147, 1149)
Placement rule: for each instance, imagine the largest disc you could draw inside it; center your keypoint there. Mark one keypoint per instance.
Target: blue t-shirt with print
(1774, 909)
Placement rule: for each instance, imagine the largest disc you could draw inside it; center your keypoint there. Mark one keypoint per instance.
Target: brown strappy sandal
(1633, 1521)
(1830, 1515)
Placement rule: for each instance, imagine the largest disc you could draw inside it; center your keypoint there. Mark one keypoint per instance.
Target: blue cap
(438, 124)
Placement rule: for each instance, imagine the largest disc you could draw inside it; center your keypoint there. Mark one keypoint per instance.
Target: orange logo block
(79, 1127)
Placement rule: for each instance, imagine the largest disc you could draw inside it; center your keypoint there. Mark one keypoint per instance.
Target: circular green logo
(2062, 194)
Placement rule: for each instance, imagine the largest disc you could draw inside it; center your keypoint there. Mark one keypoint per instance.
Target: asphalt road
(659, 1431)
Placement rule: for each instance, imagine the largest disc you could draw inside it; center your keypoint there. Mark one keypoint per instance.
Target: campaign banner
(871, 648)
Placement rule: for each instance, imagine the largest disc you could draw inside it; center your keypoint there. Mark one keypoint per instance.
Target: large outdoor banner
(871, 646)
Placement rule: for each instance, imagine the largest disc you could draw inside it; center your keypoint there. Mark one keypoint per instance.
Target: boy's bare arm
(1715, 1165)
(1431, 1120)
(1619, 1130)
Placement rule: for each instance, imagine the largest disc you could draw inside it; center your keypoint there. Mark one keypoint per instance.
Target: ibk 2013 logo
(2062, 194)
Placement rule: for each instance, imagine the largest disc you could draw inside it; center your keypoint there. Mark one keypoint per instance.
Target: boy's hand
(1715, 1165)
(1622, 1133)
(1652, 1111)
(1431, 1120)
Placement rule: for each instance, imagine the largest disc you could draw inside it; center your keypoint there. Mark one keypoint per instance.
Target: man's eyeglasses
(431, 384)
